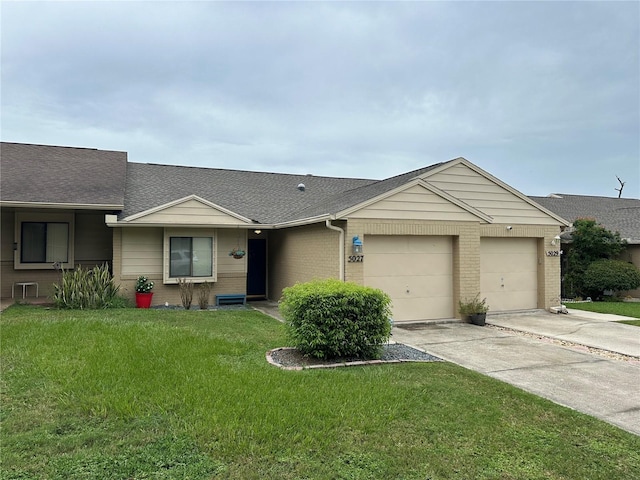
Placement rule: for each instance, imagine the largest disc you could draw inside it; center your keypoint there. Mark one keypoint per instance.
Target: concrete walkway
(606, 388)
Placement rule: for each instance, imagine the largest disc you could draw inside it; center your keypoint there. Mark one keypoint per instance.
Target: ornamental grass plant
(84, 288)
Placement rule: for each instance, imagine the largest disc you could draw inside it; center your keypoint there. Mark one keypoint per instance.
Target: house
(428, 237)
(52, 206)
(620, 215)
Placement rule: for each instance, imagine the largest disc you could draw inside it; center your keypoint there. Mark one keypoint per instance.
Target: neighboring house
(620, 215)
(52, 206)
(429, 237)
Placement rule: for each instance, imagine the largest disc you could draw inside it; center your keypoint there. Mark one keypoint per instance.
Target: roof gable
(188, 211)
(416, 200)
(470, 184)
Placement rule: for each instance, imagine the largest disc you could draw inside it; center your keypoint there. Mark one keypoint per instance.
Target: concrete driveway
(602, 386)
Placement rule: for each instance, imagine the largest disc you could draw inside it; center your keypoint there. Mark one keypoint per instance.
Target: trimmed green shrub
(330, 319)
(615, 275)
(86, 289)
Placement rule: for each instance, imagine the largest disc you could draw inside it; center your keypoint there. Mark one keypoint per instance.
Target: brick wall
(301, 254)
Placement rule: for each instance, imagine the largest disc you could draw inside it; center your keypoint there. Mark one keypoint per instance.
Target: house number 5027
(356, 258)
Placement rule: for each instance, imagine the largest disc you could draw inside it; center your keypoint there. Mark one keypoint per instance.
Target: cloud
(352, 89)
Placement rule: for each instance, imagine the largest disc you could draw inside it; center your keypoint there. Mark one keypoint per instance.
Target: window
(191, 257)
(43, 239)
(189, 253)
(44, 242)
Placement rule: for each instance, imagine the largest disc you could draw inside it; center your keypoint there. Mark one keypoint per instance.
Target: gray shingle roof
(615, 214)
(353, 197)
(62, 175)
(263, 197)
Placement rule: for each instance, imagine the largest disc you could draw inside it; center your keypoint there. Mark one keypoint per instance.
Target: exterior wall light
(357, 245)
(555, 240)
(257, 232)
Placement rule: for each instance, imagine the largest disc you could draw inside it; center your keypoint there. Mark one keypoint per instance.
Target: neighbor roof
(32, 175)
(616, 214)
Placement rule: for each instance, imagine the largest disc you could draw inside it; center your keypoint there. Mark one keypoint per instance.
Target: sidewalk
(595, 330)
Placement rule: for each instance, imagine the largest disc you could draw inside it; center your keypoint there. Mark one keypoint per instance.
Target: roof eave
(65, 206)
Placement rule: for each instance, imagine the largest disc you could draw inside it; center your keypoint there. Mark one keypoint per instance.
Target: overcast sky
(544, 95)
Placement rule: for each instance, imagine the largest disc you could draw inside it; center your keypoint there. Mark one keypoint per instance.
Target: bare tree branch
(619, 190)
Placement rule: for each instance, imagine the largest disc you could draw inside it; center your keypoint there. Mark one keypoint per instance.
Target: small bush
(186, 292)
(473, 306)
(204, 291)
(86, 289)
(615, 275)
(330, 318)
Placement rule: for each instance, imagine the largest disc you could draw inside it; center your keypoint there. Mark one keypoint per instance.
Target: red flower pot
(143, 300)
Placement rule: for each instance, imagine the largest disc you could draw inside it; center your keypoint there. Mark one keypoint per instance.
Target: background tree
(589, 242)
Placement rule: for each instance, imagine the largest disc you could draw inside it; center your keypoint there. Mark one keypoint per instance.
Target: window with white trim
(189, 254)
(190, 257)
(42, 240)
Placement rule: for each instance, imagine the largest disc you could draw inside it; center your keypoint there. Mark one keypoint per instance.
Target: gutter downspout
(341, 253)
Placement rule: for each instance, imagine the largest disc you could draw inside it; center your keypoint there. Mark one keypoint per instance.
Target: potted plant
(237, 252)
(143, 292)
(474, 310)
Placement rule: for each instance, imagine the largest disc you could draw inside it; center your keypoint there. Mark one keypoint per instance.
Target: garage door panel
(509, 273)
(420, 287)
(407, 244)
(509, 281)
(416, 272)
(501, 246)
(408, 309)
(500, 263)
(407, 264)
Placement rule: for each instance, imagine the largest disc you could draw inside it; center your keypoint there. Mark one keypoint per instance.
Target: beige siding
(301, 254)
(139, 251)
(190, 212)
(227, 240)
(415, 203)
(488, 197)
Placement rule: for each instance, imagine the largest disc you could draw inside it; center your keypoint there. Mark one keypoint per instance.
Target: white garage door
(509, 273)
(415, 271)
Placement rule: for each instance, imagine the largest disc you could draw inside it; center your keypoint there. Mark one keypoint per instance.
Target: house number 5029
(356, 258)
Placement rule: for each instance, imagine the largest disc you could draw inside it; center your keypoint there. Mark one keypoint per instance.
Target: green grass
(627, 309)
(148, 394)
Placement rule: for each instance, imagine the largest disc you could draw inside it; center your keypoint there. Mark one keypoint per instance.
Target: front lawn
(133, 394)
(627, 309)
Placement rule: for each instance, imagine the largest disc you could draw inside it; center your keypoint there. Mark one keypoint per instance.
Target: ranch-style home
(428, 237)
